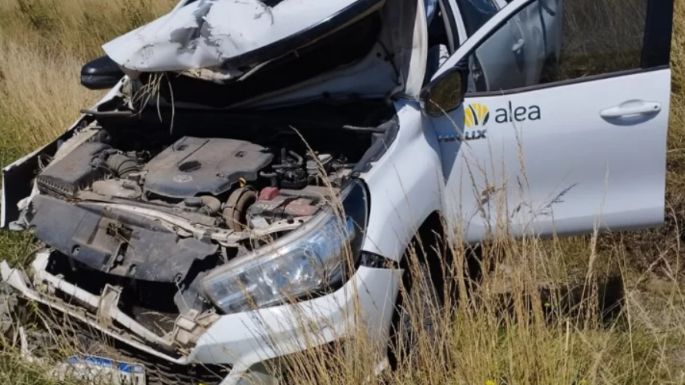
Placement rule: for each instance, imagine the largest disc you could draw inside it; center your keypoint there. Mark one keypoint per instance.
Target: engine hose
(210, 204)
(235, 211)
(121, 165)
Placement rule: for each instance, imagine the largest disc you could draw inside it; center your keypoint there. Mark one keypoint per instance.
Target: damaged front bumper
(239, 341)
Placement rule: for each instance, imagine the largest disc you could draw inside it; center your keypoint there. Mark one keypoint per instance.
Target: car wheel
(413, 324)
(420, 305)
(427, 299)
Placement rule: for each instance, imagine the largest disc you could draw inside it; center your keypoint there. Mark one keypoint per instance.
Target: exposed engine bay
(161, 219)
(152, 213)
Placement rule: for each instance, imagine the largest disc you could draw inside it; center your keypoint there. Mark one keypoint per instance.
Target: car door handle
(518, 45)
(631, 108)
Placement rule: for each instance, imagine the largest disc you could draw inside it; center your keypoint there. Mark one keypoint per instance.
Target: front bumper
(241, 340)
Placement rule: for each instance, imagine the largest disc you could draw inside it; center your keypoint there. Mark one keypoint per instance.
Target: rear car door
(570, 137)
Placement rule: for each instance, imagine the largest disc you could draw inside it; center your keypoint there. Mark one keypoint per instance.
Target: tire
(428, 297)
(420, 301)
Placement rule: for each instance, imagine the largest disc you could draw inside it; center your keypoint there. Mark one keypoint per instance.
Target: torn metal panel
(231, 34)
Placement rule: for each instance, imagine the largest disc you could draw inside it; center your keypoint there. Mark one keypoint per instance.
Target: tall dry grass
(534, 316)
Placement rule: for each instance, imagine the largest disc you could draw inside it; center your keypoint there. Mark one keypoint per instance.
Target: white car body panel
(404, 185)
(593, 182)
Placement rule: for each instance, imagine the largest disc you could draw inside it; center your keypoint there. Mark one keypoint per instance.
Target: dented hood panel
(231, 35)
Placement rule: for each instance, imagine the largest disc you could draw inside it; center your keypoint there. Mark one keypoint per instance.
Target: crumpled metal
(206, 33)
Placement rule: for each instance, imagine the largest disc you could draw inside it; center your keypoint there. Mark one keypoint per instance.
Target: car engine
(153, 220)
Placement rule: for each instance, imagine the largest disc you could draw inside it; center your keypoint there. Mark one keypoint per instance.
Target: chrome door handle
(631, 108)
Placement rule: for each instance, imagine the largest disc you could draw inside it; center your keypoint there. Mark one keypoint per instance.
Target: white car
(188, 214)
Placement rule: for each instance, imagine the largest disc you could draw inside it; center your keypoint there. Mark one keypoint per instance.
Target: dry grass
(532, 318)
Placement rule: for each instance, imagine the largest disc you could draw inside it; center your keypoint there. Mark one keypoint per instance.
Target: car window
(475, 13)
(556, 40)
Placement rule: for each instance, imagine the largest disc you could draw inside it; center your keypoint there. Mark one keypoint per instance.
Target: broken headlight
(314, 258)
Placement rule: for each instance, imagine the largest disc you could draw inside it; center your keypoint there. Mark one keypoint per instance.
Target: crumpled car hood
(231, 35)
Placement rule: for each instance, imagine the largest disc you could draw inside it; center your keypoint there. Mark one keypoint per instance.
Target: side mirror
(101, 73)
(445, 93)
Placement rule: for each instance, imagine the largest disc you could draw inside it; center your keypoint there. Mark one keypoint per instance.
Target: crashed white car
(192, 211)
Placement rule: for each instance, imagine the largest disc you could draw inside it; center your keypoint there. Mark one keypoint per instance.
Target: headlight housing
(311, 259)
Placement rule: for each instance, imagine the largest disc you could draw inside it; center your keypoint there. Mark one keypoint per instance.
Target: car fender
(405, 185)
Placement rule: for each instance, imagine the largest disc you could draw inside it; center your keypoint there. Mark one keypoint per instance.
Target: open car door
(564, 122)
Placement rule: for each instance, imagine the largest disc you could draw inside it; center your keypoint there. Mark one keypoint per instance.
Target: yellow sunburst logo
(476, 114)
